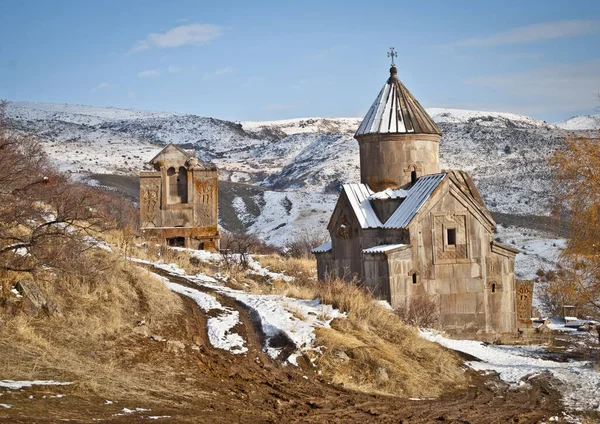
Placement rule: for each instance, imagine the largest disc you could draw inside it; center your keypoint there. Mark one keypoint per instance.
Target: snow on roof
(395, 110)
(325, 247)
(383, 248)
(388, 193)
(417, 196)
(358, 196)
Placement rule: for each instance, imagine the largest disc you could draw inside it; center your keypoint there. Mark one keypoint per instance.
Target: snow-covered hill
(581, 123)
(303, 160)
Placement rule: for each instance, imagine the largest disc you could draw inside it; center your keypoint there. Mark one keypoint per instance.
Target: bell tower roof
(396, 111)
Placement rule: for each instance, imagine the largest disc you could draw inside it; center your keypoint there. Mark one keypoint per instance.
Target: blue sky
(259, 60)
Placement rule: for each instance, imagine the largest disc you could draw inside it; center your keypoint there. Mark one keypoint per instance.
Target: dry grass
(92, 342)
(373, 351)
(129, 245)
(300, 269)
(304, 285)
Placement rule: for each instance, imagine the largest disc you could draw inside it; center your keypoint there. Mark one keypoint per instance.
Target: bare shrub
(422, 311)
(302, 244)
(236, 248)
(562, 287)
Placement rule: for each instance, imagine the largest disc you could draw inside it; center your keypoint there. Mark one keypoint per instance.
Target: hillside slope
(302, 160)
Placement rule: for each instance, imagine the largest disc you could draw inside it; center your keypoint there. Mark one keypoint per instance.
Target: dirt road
(215, 386)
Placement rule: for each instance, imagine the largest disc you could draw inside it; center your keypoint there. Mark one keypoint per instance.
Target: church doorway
(176, 242)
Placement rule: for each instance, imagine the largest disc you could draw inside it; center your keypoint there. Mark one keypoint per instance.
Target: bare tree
(236, 248)
(576, 169)
(302, 244)
(44, 217)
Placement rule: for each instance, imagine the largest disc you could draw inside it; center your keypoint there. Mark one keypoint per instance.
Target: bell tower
(398, 140)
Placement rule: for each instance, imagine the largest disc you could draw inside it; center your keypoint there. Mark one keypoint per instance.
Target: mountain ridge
(301, 161)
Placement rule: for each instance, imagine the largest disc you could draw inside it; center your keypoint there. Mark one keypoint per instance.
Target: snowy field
(580, 382)
(539, 250)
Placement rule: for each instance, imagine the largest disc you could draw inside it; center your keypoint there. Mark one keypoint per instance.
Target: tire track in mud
(257, 388)
(249, 327)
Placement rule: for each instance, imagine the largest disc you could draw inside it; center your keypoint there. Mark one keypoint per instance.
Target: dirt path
(215, 386)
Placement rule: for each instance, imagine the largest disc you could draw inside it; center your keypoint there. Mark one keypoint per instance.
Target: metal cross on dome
(392, 54)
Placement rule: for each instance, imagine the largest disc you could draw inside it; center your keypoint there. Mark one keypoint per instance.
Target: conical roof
(396, 111)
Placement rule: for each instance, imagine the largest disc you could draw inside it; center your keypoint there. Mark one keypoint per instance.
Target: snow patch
(14, 385)
(219, 328)
(294, 318)
(581, 389)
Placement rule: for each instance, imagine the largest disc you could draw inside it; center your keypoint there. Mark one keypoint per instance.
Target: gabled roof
(186, 155)
(418, 194)
(396, 111)
(358, 196)
(414, 199)
(504, 249)
(465, 184)
(171, 146)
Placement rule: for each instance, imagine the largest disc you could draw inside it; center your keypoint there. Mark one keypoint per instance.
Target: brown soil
(218, 387)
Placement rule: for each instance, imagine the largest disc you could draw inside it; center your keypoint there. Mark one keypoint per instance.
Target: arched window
(413, 173)
(414, 278)
(493, 287)
(177, 185)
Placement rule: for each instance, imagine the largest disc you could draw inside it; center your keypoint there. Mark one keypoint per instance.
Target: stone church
(179, 200)
(410, 230)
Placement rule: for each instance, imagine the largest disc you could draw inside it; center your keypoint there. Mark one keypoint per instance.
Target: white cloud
(173, 69)
(554, 88)
(533, 33)
(218, 72)
(192, 34)
(223, 71)
(149, 73)
(100, 86)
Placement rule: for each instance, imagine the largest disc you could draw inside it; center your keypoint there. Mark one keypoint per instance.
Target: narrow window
(414, 278)
(413, 176)
(182, 194)
(451, 236)
(493, 287)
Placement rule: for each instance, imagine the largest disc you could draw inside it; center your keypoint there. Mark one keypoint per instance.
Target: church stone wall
(377, 275)
(349, 240)
(454, 272)
(387, 160)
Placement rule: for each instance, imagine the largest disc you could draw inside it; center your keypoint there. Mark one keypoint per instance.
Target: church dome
(396, 111)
